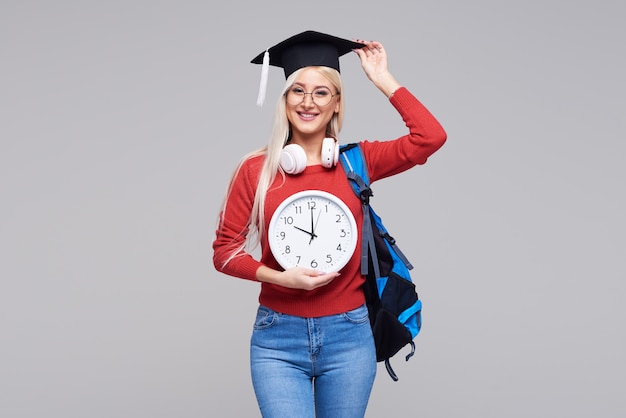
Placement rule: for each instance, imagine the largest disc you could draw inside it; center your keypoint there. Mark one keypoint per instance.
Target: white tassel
(264, 74)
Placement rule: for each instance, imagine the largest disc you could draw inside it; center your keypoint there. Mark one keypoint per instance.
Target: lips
(307, 116)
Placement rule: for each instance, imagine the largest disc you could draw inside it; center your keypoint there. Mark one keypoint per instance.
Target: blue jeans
(312, 367)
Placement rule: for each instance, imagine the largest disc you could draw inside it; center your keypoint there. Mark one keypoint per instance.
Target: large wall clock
(313, 229)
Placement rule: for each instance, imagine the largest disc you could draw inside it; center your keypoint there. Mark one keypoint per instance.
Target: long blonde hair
(279, 137)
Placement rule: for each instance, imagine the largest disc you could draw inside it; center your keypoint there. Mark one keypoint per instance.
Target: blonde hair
(279, 137)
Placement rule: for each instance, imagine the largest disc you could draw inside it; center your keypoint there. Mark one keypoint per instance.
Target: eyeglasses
(321, 96)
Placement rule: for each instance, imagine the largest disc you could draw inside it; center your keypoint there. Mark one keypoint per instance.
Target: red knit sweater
(384, 159)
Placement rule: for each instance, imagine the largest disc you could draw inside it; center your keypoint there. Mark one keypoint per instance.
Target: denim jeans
(312, 367)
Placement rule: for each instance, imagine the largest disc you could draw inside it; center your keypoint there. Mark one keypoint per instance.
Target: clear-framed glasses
(321, 96)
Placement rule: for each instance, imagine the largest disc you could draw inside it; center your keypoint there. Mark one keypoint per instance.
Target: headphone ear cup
(293, 159)
(330, 152)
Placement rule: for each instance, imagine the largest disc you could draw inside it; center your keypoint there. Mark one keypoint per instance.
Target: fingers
(306, 279)
(372, 54)
(322, 279)
(370, 48)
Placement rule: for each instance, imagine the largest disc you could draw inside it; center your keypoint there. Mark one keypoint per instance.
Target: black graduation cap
(303, 50)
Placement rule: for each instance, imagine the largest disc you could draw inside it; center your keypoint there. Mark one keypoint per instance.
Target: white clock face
(313, 229)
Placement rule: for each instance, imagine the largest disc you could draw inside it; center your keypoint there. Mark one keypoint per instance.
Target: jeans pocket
(265, 318)
(358, 315)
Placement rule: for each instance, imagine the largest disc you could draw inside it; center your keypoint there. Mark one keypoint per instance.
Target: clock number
(338, 219)
(343, 233)
(287, 249)
(298, 262)
(313, 264)
(339, 247)
(312, 205)
(298, 209)
(288, 220)
(282, 235)
(329, 258)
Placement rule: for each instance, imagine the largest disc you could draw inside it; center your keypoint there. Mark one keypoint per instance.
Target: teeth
(307, 115)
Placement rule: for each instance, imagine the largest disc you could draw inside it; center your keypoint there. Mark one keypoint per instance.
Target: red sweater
(384, 159)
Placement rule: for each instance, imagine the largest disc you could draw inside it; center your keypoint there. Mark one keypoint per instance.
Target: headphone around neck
(293, 157)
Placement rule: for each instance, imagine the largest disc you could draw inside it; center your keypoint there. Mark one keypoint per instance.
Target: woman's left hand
(374, 62)
(373, 58)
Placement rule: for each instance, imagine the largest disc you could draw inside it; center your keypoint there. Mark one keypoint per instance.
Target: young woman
(312, 350)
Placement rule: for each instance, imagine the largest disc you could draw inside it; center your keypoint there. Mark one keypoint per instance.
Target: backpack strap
(352, 159)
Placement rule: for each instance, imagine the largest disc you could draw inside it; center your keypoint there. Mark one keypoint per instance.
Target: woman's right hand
(295, 277)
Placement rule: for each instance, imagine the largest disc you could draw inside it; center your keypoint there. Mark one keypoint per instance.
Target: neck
(312, 146)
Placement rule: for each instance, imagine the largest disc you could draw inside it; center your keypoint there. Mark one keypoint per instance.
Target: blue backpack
(395, 310)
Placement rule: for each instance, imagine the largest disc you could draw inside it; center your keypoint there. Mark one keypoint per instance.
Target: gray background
(121, 121)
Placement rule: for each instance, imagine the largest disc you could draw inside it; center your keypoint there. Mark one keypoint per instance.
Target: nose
(310, 98)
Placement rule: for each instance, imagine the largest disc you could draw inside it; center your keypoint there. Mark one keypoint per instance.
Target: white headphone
(293, 157)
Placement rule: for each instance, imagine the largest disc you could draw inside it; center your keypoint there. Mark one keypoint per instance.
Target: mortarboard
(302, 50)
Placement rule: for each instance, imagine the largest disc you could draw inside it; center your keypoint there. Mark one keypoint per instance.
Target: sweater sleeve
(426, 135)
(229, 252)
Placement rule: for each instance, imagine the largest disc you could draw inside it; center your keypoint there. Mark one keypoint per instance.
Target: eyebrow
(314, 87)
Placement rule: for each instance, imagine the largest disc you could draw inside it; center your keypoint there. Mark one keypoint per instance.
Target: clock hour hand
(311, 234)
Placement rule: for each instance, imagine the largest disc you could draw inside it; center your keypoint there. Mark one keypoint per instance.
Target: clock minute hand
(316, 221)
(312, 228)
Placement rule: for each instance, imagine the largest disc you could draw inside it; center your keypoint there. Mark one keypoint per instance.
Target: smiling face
(309, 119)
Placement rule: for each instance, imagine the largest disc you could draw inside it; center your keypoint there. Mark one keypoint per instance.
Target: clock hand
(316, 221)
(312, 228)
(304, 230)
